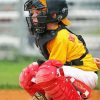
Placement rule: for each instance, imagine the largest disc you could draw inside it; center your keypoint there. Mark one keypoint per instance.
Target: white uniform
(90, 78)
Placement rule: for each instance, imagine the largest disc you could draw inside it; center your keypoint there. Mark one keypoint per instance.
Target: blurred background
(17, 47)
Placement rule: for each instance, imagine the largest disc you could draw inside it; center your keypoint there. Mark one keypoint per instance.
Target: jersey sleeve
(57, 47)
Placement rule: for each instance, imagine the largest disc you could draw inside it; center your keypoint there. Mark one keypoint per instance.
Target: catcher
(69, 67)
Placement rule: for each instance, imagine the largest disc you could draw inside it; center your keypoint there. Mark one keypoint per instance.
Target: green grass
(10, 71)
(98, 86)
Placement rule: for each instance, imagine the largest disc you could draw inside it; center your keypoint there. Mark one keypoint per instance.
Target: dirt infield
(22, 95)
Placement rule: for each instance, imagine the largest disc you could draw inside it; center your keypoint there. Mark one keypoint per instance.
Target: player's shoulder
(63, 34)
(63, 31)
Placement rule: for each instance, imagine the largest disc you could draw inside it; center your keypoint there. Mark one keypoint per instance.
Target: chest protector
(42, 40)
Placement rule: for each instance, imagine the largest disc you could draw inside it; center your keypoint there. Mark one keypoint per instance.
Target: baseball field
(9, 80)
(22, 95)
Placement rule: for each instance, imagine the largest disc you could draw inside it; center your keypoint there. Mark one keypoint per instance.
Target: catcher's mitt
(39, 96)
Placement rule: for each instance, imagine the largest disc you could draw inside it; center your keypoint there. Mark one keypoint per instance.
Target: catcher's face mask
(46, 9)
(36, 19)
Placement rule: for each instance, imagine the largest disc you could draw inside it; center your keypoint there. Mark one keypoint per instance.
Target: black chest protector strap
(77, 62)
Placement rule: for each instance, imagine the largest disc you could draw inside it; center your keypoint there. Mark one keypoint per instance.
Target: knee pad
(27, 74)
(25, 79)
(46, 73)
(60, 89)
(57, 87)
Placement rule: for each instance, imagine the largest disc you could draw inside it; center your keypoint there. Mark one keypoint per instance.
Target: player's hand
(97, 61)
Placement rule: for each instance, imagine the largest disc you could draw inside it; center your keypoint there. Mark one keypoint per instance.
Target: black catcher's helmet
(47, 8)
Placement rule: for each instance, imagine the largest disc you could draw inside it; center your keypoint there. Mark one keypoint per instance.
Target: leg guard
(57, 87)
(25, 79)
(83, 89)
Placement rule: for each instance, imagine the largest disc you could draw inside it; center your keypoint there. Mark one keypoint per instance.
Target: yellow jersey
(66, 47)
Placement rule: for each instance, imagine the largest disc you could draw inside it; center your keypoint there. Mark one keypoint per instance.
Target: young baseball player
(69, 66)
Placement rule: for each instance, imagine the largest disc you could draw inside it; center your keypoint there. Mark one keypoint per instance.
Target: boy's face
(35, 14)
